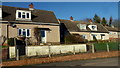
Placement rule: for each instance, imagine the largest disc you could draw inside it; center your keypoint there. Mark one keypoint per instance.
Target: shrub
(11, 41)
(37, 35)
(75, 38)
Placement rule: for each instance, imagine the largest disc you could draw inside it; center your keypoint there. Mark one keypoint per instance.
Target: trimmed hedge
(102, 46)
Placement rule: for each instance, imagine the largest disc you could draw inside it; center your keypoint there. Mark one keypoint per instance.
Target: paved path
(94, 62)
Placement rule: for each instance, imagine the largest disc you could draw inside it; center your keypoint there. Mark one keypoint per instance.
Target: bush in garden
(11, 41)
(74, 38)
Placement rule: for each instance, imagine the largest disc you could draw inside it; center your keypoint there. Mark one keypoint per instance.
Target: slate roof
(72, 26)
(111, 28)
(9, 14)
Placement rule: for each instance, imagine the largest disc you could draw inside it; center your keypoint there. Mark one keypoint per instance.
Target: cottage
(17, 21)
(88, 30)
(114, 33)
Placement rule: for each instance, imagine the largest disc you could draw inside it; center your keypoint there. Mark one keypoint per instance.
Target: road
(93, 62)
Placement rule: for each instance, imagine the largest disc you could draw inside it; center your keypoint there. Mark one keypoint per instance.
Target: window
(84, 36)
(82, 26)
(102, 34)
(110, 33)
(42, 33)
(115, 33)
(24, 32)
(19, 14)
(28, 32)
(94, 35)
(27, 15)
(23, 15)
(93, 27)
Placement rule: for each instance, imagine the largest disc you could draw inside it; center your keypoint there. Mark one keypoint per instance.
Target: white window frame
(85, 36)
(90, 26)
(83, 25)
(23, 11)
(25, 31)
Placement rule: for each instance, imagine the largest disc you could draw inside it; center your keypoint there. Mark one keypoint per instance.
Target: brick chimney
(31, 6)
(71, 18)
(90, 21)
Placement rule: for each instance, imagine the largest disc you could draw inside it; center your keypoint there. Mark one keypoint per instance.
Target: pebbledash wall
(53, 49)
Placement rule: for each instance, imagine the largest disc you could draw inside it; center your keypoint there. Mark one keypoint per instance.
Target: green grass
(103, 46)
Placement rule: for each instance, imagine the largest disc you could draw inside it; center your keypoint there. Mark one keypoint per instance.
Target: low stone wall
(4, 53)
(53, 49)
(61, 58)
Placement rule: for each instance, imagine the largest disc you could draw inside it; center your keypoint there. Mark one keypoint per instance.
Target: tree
(104, 22)
(96, 19)
(87, 19)
(37, 35)
(3, 39)
(116, 23)
(110, 21)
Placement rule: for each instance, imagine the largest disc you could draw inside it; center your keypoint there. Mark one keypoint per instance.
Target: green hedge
(113, 45)
(103, 46)
(100, 46)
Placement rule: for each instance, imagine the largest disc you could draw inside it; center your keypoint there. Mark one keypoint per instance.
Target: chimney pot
(71, 18)
(31, 6)
(90, 21)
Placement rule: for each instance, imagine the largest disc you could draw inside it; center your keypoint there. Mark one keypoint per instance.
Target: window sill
(20, 19)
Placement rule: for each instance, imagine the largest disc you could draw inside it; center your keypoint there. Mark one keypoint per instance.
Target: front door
(102, 36)
(43, 36)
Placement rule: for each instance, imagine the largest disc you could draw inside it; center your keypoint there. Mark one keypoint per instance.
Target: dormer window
(82, 26)
(23, 15)
(27, 15)
(93, 27)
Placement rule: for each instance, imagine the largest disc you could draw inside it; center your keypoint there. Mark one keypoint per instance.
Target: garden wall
(53, 49)
(4, 53)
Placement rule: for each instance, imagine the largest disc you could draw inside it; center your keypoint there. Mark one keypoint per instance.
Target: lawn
(103, 46)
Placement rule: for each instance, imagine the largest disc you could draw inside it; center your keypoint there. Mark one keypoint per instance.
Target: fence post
(49, 50)
(93, 49)
(118, 47)
(16, 50)
(108, 48)
(74, 50)
(26, 47)
(17, 58)
(60, 52)
(79, 51)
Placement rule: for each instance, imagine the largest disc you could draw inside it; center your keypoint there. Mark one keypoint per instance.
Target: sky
(60, 0)
(79, 10)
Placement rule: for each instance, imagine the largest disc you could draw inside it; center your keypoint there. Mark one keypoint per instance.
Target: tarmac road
(93, 62)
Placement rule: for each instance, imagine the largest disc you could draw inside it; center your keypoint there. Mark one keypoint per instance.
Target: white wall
(113, 34)
(98, 36)
(44, 50)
